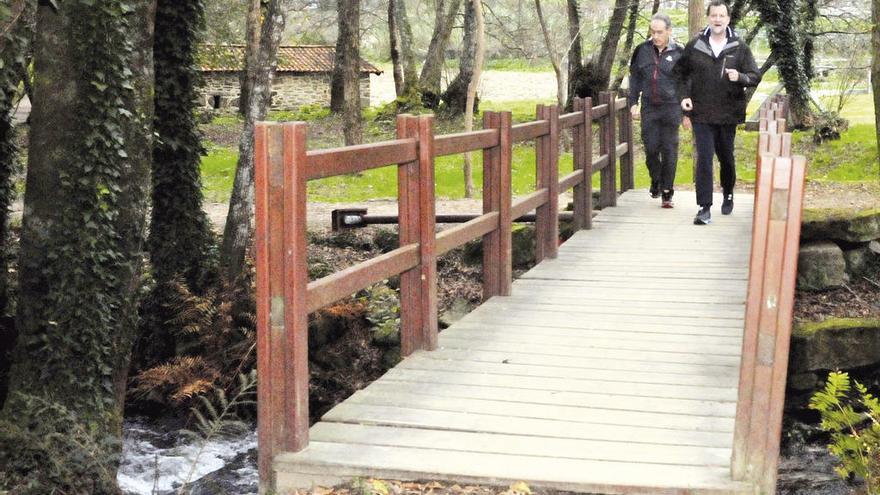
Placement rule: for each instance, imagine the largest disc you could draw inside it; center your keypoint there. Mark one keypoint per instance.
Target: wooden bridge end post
(552, 167)
(497, 245)
(627, 162)
(542, 212)
(608, 147)
(411, 317)
(427, 233)
(790, 197)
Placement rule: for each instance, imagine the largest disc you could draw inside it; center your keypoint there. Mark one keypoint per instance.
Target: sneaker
(667, 200)
(704, 217)
(727, 205)
(655, 190)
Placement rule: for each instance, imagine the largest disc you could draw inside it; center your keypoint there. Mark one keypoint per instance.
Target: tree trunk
(554, 57)
(875, 65)
(623, 63)
(456, 93)
(429, 80)
(337, 78)
(655, 7)
(349, 35)
(410, 73)
(472, 92)
(596, 76)
(575, 52)
(251, 54)
(696, 17)
(239, 221)
(13, 69)
(80, 265)
(394, 40)
(180, 241)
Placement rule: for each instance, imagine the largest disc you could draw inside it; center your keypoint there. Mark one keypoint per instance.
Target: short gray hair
(662, 17)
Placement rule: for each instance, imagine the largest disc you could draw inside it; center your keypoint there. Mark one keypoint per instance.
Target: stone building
(302, 76)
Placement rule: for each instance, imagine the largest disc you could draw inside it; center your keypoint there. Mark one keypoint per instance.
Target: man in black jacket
(713, 73)
(651, 76)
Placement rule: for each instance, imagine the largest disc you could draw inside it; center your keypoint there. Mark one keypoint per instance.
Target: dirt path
(494, 86)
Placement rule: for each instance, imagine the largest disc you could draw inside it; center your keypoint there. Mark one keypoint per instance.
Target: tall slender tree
(479, 50)
(349, 12)
(561, 81)
(623, 63)
(596, 76)
(455, 96)
(394, 46)
(875, 65)
(696, 17)
(239, 228)
(429, 79)
(80, 263)
(575, 51)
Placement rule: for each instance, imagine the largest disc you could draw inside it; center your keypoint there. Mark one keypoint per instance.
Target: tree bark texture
(623, 63)
(596, 76)
(575, 51)
(554, 57)
(429, 79)
(251, 53)
(479, 49)
(394, 43)
(80, 264)
(349, 35)
(875, 65)
(696, 17)
(404, 29)
(239, 220)
(337, 78)
(455, 96)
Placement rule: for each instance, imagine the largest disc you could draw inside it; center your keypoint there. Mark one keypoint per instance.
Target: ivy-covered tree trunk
(455, 95)
(239, 220)
(429, 80)
(82, 242)
(875, 65)
(15, 37)
(787, 42)
(181, 242)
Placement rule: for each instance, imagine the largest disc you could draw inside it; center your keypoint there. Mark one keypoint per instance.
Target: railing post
(427, 232)
(497, 250)
(607, 146)
(541, 182)
(282, 320)
(408, 217)
(546, 157)
(627, 172)
(585, 213)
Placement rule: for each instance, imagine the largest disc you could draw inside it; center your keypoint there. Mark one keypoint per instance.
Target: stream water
(156, 463)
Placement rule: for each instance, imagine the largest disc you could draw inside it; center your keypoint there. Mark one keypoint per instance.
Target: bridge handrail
(284, 165)
(779, 193)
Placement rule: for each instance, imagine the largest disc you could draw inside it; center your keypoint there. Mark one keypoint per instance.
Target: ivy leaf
(99, 86)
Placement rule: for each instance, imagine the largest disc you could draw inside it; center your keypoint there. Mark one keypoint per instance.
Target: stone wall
(289, 90)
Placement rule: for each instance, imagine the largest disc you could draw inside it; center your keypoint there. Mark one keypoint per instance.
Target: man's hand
(732, 74)
(634, 111)
(687, 105)
(686, 123)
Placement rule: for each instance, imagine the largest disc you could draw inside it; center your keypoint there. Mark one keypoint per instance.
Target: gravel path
(494, 86)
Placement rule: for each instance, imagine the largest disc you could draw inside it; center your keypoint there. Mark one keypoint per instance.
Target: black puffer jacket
(701, 77)
(644, 62)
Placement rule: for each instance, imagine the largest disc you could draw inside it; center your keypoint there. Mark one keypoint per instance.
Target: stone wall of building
(289, 90)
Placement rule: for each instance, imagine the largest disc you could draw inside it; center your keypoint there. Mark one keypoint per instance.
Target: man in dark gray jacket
(713, 73)
(651, 76)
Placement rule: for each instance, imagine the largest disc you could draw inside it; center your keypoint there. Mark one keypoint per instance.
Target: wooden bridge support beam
(583, 160)
(608, 147)
(418, 285)
(497, 245)
(281, 288)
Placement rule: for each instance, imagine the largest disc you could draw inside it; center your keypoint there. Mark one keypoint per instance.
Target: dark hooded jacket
(651, 75)
(701, 77)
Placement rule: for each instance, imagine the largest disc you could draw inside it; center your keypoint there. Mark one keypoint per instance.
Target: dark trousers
(660, 137)
(714, 139)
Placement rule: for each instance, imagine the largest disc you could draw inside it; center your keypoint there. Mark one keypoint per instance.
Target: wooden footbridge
(643, 355)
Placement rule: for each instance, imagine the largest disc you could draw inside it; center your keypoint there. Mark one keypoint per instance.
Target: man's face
(660, 33)
(718, 19)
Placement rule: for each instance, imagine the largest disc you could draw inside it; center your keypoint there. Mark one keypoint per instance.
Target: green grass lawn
(852, 158)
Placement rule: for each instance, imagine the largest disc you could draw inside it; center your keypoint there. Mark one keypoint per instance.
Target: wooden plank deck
(611, 369)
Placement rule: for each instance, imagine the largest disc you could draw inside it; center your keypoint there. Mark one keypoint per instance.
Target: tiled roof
(301, 58)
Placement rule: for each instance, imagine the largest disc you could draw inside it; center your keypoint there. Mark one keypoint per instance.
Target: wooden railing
(285, 297)
(779, 193)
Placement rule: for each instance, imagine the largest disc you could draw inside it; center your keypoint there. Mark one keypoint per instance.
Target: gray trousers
(660, 137)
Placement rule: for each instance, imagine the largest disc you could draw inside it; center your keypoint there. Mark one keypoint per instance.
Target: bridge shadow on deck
(612, 368)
